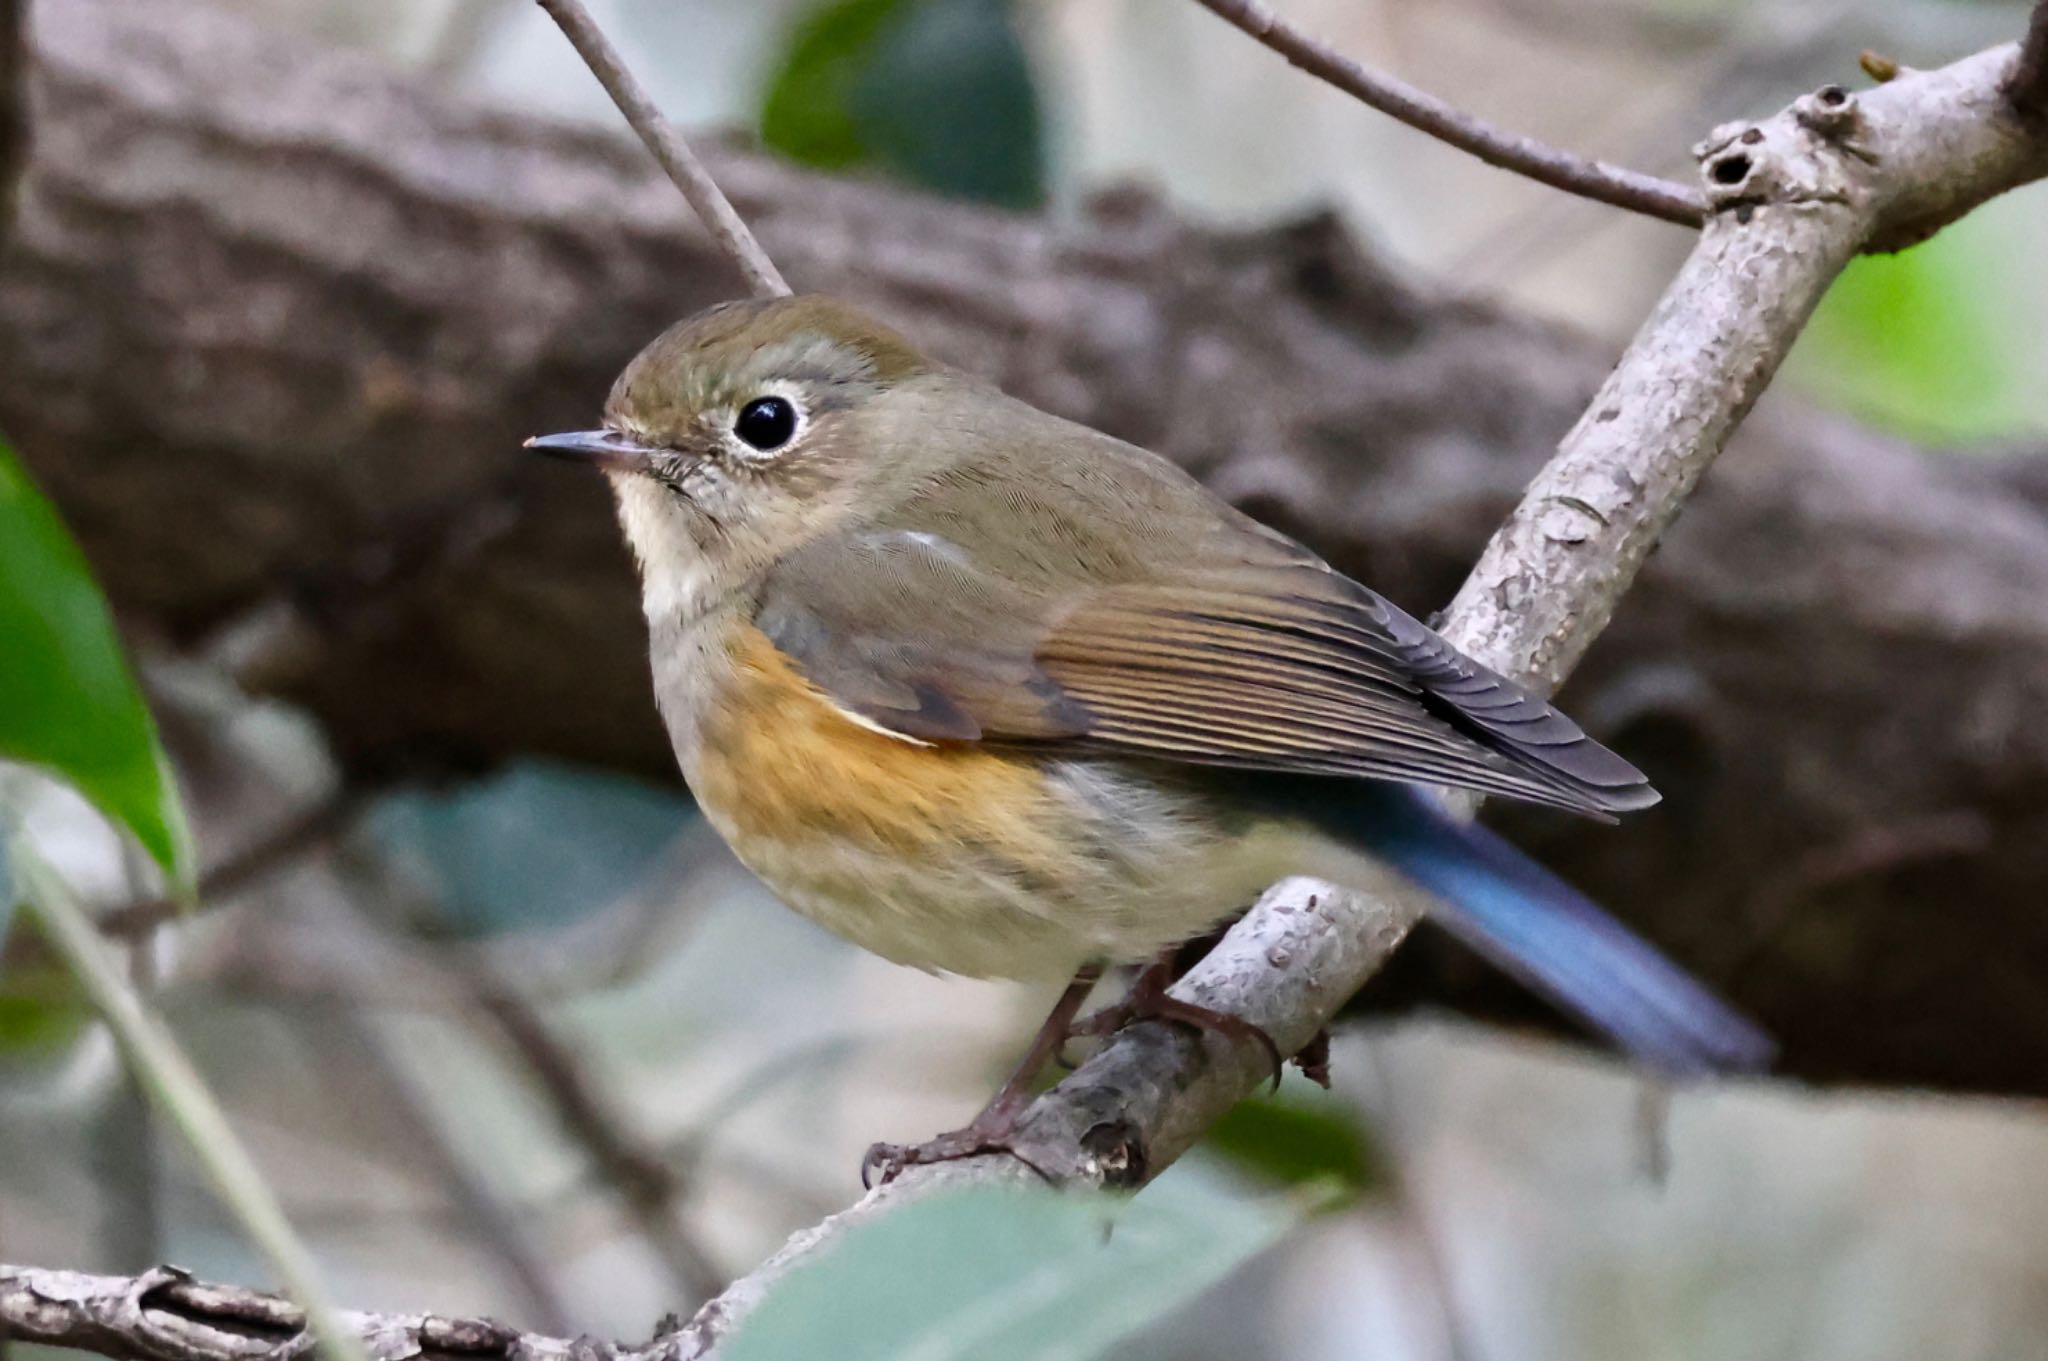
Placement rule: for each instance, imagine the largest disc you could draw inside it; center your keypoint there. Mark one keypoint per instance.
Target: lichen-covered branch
(165, 1315)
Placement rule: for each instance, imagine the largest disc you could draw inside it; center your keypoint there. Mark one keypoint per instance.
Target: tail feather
(1540, 929)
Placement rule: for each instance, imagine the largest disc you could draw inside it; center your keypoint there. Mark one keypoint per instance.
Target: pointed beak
(608, 449)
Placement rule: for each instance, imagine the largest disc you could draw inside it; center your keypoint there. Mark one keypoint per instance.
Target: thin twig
(496, 1227)
(1560, 169)
(297, 835)
(2028, 87)
(649, 1189)
(178, 1090)
(668, 148)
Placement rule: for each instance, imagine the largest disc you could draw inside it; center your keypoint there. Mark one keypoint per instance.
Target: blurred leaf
(1004, 1275)
(1937, 342)
(538, 845)
(947, 101)
(1298, 1142)
(939, 92)
(807, 113)
(67, 699)
(41, 1015)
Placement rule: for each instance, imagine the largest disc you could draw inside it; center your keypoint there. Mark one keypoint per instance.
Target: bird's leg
(1149, 1000)
(990, 1130)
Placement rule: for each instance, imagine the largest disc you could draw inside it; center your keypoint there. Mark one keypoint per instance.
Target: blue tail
(1540, 929)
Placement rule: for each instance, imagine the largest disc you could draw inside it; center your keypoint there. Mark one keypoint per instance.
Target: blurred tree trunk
(13, 104)
(274, 322)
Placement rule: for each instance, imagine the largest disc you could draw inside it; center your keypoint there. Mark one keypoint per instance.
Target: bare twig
(1560, 169)
(2028, 87)
(647, 1186)
(299, 834)
(495, 1227)
(668, 147)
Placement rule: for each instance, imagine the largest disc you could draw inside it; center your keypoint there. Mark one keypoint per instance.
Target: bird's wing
(1227, 645)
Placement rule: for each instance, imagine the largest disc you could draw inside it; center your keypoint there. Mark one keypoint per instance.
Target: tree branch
(165, 1315)
(668, 148)
(1560, 169)
(1796, 197)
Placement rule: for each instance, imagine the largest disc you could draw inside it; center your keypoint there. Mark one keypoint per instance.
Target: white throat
(677, 582)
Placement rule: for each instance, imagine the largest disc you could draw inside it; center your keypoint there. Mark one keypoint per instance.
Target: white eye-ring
(766, 425)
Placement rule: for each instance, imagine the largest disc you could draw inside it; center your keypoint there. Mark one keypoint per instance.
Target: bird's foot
(992, 1131)
(994, 1128)
(1149, 1000)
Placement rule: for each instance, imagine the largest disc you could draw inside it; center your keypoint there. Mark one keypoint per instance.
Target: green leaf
(1935, 342)
(1299, 1142)
(67, 699)
(807, 114)
(999, 1274)
(939, 92)
(41, 1016)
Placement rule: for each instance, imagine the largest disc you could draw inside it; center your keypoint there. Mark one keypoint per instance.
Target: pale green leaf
(993, 1274)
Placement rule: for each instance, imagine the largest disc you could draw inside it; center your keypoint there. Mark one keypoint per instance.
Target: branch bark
(1597, 180)
(165, 1315)
(275, 321)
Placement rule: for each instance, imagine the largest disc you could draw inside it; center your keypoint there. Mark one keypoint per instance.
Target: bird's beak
(608, 449)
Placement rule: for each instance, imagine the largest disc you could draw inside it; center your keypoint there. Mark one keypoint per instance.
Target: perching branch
(1795, 198)
(1560, 169)
(668, 147)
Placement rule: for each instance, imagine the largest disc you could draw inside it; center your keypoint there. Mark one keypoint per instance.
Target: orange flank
(782, 765)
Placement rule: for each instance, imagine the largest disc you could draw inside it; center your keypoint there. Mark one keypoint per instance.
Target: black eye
(766, 422)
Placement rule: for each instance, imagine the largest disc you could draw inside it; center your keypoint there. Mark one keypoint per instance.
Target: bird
(990, 693)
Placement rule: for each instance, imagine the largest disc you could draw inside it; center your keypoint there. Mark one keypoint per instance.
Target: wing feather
(1233, 647)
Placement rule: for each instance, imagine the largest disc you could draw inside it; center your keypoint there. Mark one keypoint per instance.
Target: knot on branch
(1804, 154)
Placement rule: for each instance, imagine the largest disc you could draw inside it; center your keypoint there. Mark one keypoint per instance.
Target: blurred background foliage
(1492, 1198)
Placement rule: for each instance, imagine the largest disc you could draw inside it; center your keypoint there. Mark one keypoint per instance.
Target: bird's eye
(766, 423)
